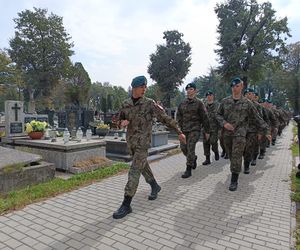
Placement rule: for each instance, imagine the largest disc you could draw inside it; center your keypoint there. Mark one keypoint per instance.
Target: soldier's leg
(262, 147)
(274, 135)
(248, 152)
(221, 139)
(192, 139)
(214, 144)
(206, 147)
(238, 146)
(255, 150)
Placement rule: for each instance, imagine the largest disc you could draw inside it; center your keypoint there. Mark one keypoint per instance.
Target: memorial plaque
(16, 127)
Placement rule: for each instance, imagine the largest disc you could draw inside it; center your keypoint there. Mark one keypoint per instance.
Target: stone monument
(14, 118)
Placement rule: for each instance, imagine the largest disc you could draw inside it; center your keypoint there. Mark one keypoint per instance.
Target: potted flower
(102, 129)
(35, 129)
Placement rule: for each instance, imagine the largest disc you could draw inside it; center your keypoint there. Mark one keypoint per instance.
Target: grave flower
(35, 126)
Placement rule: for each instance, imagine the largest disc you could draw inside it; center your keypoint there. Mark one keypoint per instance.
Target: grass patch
(20, 198)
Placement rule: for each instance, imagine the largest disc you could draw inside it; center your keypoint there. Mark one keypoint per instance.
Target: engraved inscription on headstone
(14, 118)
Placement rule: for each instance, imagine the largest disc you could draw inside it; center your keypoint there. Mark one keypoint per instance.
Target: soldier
(137, 113)
(191, 115)
(252, 138)
(211, 107)
(233, 115)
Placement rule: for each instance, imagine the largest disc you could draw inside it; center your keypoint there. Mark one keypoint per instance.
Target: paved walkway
(194, 213)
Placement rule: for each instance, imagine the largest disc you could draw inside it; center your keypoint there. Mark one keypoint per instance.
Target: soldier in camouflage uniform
(233, 115)
(212, 142)
(191, 115)
(252, 137)
(273, 124)
(137, 113)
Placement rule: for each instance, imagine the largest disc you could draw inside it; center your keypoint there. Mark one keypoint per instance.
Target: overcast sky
(114, 38)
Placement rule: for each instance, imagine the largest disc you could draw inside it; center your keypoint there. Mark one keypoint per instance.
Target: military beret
(248, 90)
(138, 81)
(209, 92)
(235, 81)
(190, 85)
(255, 93)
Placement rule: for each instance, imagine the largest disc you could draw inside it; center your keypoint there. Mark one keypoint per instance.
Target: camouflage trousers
(263, 143)
(139, 166)
(188, 149)
(221, 139)
(234, 146)
(274, 132)
(252, 146)
(212, 141)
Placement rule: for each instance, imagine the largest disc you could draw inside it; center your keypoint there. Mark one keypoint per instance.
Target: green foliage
(105, 97)
(13, 168)
(249, 37)
(78, 85)
(170, 64)
(20, 198)
(41, 49)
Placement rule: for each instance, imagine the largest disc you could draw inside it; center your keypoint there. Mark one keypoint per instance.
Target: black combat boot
(155, 188)
(273, 141)
(124, 209)
(188, 172)
(217, 156)
(207, 161)
(234, 182)
(246, 167)
(226, 156)
(253, 162)
(195, 163)
(261, 154)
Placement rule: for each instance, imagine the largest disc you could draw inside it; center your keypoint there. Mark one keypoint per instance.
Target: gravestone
(19, 169)
(14, 118)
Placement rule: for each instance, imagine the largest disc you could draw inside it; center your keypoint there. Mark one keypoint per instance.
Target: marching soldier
(212, 142)
(191, 115)
(137, 114)
(233, 116)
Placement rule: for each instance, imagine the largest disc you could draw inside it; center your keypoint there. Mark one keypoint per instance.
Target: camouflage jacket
(191, 114)
(238, 113)
(140, 116)
(252, 125)
(272, 118)
(212, 116)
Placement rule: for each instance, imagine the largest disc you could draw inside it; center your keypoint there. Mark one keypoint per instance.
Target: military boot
(226, 156)
(188, 172)
(253, 162)
(223, 153)
(195, 163)
(217, 156)
(155, 188)
(273, 141)
(124, 209)
(234, 182)
(246, 167)
(261, 154)
(207, 161)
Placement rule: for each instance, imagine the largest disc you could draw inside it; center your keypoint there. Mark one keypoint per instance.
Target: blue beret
(248, 90)
(138, 81)
(235, 81)
(190, 85)
(209, 92)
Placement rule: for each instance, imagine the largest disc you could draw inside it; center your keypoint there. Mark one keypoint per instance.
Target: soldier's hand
(206, 136)
(269, 137)
(228, 126)
(259, 136)
(182, 138)
(124, 123)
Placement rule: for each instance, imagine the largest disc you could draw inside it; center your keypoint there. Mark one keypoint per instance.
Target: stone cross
(16, 111)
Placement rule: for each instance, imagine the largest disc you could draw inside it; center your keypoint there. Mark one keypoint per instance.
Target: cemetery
(72, 143)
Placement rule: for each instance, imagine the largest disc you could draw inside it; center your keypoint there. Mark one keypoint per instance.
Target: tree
(11, 82)
(41, 49)
(291, 75)
(170, 64)
(249, 37)
(78, 86)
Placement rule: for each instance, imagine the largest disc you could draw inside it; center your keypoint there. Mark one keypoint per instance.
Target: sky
(113, 39)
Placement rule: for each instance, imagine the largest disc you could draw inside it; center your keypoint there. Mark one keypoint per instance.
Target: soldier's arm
(262, 126)
(204, 118)
(165, 119)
